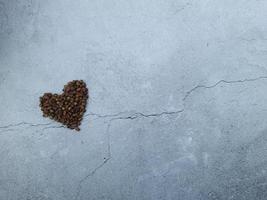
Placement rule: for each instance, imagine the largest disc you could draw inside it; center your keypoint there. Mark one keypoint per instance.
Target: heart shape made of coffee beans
(67, 108)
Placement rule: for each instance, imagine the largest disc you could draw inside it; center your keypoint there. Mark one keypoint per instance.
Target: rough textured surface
(178, 100)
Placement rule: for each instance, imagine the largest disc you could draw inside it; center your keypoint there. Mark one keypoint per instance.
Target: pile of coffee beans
(67, 108)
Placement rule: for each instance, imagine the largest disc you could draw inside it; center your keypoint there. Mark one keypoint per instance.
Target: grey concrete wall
(177, 107)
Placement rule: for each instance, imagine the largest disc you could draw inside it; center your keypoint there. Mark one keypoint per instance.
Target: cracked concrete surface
(177, 105)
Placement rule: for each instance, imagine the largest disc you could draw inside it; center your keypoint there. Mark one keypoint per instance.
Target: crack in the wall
(104, 116)
(87, 176)
(142, 115)
(51, 127)
(252, 39)
(23, 123)
(16, 127)
(187, 95)
(98, 167)
(219, 83)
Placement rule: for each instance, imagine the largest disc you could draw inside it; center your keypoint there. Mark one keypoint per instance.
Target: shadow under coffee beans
(67, 108)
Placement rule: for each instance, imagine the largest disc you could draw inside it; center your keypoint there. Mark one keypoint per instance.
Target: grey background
(177, 105)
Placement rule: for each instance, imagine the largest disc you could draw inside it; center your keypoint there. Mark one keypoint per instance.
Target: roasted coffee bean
(69, 107)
